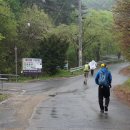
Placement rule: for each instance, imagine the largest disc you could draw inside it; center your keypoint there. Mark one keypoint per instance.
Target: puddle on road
(54, 113)
(52, 95)
(67, 92)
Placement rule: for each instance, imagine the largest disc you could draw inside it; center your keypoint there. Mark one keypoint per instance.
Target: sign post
(16, 64)
(31, 65)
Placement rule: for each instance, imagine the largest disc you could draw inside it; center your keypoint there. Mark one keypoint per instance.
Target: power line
(59, 12)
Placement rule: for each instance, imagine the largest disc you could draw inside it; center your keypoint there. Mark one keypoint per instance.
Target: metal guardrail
(5, 77)
(76, 68)
(113, 60)
(2, 83)
(9, 76)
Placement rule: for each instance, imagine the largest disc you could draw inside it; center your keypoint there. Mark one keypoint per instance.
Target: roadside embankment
(122, 92)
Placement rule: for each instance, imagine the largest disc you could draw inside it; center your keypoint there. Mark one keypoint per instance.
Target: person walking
(86, 71)
(93, 66)
(103, 79)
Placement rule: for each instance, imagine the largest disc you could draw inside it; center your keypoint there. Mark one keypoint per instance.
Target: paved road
(71, 105)
(76, 107)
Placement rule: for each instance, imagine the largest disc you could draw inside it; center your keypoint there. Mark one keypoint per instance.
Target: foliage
(8, 31)
(39, 27)
(58, 10)
(15, 7)
(122, 20)
(1, 37)
(3, 97)
(98, 35)
(53, 53)
(71, 34)
(60, 73)
(99, 4)
(7, 22)
(34, 25)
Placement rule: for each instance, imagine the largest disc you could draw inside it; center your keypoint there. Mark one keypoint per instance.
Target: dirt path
(23, 105)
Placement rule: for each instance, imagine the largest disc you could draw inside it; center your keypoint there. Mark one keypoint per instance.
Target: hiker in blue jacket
(103, 79)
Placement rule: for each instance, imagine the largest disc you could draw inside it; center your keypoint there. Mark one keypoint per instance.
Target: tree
(98, 35)
(99, 4)
(15, 6)
(34, 26)
(1, 37)
(59, 10)
(7, 22)
(70, 32)
(122, 20)
(52, 50)
(8, 35)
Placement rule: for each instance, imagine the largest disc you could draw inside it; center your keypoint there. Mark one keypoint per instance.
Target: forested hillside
(99, 4)
(49, 29)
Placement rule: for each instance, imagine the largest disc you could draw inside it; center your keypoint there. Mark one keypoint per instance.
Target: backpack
(86, 68)
(103, 78)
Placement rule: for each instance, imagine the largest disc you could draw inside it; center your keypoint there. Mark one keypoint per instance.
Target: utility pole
(16, 66)
(80, 32)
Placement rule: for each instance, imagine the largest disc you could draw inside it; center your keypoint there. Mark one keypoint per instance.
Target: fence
(98, 63)
(2, 83)
(6, 77)
(9, 76)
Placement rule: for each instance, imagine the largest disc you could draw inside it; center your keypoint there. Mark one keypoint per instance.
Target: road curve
(75, 106)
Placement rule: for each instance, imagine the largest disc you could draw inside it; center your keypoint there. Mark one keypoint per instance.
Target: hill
(99, 4)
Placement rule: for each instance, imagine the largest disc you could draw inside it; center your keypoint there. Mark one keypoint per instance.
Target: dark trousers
(103, 92)
(92, 72)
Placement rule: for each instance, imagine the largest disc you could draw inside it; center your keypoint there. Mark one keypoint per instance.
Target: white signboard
(31, 65)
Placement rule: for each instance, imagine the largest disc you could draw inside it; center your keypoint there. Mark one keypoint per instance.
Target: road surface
(76, 107)
(68, 104)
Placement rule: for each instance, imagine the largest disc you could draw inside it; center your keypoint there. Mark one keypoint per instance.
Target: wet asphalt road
(75, 106)
(70, 106)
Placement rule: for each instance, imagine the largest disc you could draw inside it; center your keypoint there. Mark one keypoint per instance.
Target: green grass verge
(125, 87)
(3, 97)
(59, 74)
(127, 83)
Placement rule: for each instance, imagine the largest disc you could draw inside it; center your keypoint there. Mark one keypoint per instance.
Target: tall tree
(122, 20)
(52, 50)
(59, 10)
(15, 6)
(98, 35)
(8, 33)
(99, 4)
(34, 25)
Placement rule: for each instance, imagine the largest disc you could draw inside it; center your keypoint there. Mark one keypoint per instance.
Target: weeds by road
(60, 74)
(3, 97)
(123, 91)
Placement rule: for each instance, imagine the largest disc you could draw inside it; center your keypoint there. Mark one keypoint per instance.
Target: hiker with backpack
(93, 66)
(103, 79)
(86, 71)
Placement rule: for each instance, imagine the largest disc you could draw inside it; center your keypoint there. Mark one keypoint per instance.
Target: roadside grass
(125, 87)
(3, 97)
(123, 92)
(59, 74)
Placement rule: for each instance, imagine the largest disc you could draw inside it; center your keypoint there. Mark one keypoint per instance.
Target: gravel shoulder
(23, 107)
